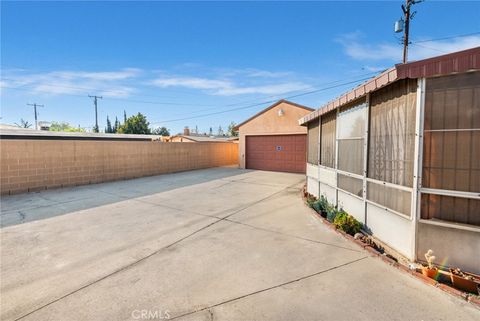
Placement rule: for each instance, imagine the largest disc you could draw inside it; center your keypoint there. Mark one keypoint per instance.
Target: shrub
(331, 212)
(347, 223)
(310, 200)
(319, 204)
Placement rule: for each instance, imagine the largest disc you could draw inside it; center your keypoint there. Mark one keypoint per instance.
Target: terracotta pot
(431, 273)
(464, 284)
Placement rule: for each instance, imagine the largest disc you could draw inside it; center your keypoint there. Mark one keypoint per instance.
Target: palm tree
(23, 124)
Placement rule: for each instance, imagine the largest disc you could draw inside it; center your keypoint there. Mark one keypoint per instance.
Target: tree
(137, 124)
(162, 131)
(124, 116)
(117, 125)
(24, 124)
(64, 127)
(210, 133)
(231, 130)
(220, 131)
(109, 128)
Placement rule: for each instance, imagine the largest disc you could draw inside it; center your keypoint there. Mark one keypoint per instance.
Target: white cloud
(276, 89)
(373, 68)
(191, 82)
(256, 73)
(73, 82)
(355, 46)
(123, 82)
(102, 75)
(222, 87)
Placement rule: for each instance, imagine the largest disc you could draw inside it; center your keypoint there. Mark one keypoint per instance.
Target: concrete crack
(270, 288)
(294, 236)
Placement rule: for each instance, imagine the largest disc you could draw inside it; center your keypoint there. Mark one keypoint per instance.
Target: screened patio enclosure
(402, 155)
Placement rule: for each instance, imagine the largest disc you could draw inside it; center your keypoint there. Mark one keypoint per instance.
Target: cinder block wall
(32, 165)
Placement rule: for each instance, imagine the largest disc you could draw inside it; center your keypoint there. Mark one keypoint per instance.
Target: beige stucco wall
(269, 123)
(31, 165)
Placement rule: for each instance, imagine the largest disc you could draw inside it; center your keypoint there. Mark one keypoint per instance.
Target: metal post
(417, 163)
(336, 156)
(319, 154)
(365, 154)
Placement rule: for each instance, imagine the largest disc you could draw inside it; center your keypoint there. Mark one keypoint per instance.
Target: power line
(96, 113)
(109, 91)
(446, 38)
(261, 103)
(35, 105)
(233, 109)
(163, 103)
(428, 47)
(281, 94)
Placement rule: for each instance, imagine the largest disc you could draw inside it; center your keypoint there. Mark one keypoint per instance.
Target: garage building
(273, 140)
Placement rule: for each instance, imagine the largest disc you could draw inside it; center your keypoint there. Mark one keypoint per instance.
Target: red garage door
(282, 153)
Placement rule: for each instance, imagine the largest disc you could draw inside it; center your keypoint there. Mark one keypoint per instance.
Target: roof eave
(237, 127)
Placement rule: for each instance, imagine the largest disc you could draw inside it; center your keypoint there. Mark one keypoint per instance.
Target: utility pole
(35, 105)
(96, 113)
(408, 16)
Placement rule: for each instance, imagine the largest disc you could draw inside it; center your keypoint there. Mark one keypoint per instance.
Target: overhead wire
(261, 103)
(448, 37)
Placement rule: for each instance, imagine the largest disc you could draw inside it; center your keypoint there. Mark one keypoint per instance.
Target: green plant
(321, 205)
(64, 127)
(162, 131)
(347, 223)
(331, 212)
(136, 124)
(310, 199)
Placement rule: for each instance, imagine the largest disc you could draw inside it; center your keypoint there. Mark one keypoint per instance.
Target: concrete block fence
(32, 165)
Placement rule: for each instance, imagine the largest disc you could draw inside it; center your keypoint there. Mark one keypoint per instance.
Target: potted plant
(430, 270)
(465, 281)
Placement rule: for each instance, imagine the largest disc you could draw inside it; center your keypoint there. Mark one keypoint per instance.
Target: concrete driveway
(216, 244)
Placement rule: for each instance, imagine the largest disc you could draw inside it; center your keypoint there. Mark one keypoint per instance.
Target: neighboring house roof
(23, 133)
(270, 107)
(203, 138)
(13, 127)
(457, 62)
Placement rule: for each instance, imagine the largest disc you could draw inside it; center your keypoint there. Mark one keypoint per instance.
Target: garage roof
(270, 107)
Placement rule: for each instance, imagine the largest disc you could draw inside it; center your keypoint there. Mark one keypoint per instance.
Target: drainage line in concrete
(294, 236)
(270, 288)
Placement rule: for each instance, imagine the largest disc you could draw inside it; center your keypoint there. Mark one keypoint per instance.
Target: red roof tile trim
(379, 81)
(461, 61)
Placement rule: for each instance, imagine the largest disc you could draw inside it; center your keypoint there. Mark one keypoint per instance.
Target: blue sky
(180, 60)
